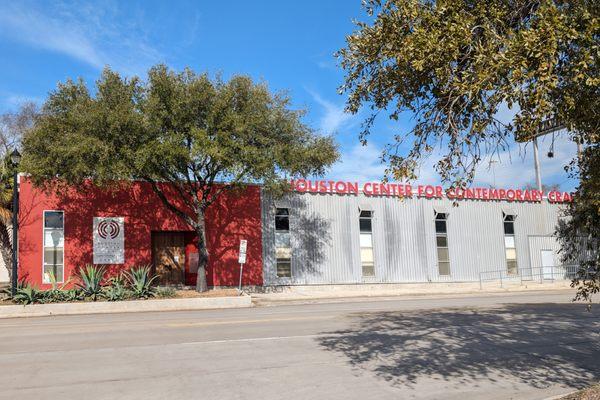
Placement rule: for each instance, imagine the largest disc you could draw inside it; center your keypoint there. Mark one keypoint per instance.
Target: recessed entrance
(168, 256)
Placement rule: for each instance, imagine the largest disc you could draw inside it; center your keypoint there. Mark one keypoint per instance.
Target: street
(521, 346)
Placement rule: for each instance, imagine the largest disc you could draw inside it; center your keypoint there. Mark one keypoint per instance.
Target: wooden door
(168, 252)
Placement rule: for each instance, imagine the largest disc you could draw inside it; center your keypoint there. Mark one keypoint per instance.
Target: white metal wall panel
(325, 237)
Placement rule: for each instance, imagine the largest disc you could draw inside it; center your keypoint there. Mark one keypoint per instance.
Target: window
(283, 246)
(441, 239)
(54, 243)
(509, 244)
(366, 243)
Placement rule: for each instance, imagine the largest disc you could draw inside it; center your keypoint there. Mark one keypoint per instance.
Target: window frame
(371, 219)
(44, 281)
(514, 237)
(281, 231)
(437, 247)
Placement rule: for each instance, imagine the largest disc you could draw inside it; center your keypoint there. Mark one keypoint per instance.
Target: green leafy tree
(579, 233)
(453, 64)
(202, 136)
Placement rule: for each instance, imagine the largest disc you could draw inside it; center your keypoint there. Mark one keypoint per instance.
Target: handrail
(556, 272)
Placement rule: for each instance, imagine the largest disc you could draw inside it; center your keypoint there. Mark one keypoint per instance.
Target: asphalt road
(521, 346)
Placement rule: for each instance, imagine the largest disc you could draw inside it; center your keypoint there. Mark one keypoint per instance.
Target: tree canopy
(454, 64)
(201, 135)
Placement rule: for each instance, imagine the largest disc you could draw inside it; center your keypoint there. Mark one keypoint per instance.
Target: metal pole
(15, 228)
(536, 160)
(241, 273)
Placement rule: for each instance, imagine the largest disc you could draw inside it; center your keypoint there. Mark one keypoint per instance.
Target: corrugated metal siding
(325, 237)
(539, 243)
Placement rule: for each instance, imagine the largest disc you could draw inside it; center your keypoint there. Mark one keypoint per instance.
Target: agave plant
(140, 282)
(90, 281)
(28, 295)
(58, 292)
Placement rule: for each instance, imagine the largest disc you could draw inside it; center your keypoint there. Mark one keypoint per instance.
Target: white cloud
(13, 100)
(513, 168)
(91, 34)
(333, 117)
(360, 163)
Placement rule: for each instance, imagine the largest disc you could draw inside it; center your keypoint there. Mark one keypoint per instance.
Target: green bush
(140, 282)
(116, 289)
(58, 293)
(166, 292)
(90, 281)
(28, 295)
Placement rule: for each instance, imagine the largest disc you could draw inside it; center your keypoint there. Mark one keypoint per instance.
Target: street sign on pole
(242, 260)
(243, 246)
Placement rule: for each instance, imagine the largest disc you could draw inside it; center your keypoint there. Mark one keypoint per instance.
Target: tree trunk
(201, 285)
(6, 247)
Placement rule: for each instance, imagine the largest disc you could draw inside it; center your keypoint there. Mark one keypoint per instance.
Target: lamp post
(15, 158)
(55, 241)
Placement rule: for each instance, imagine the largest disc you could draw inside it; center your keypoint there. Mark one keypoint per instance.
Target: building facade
(323, 232)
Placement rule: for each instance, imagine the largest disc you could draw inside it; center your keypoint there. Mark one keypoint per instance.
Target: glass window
(366, 243)
(444, 267)
(512, 266)
(366, 240)
(440, 226)
(53, 219)
(54, 243)
(443, 254)
(284, 267)
(283, 243)
(282, 219)
(441, 241)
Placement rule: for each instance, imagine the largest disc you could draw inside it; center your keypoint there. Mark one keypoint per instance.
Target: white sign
(243, 246)
(109, 240)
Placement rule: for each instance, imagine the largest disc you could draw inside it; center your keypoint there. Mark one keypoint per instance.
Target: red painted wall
(236, 215)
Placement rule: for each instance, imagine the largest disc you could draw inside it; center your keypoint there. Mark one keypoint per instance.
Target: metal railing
(533, 274)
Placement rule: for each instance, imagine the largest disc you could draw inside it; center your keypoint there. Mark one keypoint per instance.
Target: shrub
(57, 293)
(28, 295)
(90, 281)
(116, 289)
(140, 282)
(166, 292)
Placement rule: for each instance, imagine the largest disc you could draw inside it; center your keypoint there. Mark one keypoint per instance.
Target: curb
(299, 298)
(198, 303)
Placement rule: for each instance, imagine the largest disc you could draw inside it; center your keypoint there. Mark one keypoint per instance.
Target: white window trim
(437, 259)
(44, 247)
(514, 236)
(372, 218)
(286, 279)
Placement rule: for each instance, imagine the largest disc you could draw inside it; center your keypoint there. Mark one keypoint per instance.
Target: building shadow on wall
(232, 218)
(312, 236)
(536, 344)
(137, 206)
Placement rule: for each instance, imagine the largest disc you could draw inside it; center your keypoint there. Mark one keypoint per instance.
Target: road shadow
(537, 344)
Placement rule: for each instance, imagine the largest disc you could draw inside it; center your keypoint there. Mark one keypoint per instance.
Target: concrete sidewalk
(109, 307)
(316, 293)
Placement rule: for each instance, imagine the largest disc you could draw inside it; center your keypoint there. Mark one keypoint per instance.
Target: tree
(202, 136)
(454, 64)
(579, 233)
(13, 126)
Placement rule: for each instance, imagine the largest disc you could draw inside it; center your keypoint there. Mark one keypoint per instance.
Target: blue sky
(288, 44)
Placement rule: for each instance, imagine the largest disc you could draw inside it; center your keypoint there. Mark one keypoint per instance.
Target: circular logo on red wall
(108, 228)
